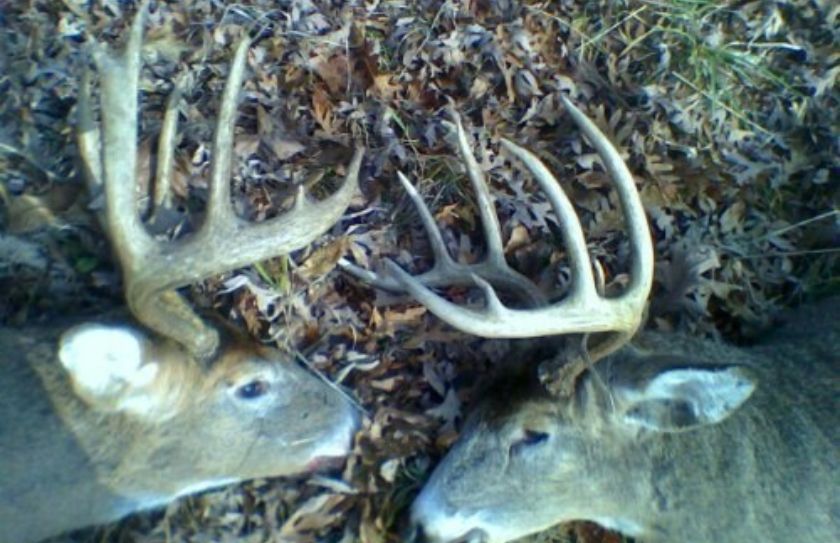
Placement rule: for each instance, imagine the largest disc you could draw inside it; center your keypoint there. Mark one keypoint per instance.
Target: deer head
(582, 310)
(113, 416)
(668, 440)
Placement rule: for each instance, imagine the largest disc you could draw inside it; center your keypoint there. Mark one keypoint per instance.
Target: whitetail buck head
(674, 439)
(110, 417)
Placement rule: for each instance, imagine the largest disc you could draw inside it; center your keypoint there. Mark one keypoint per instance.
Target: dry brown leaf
(376, 320)
(324, 259)
(334, 71)
(411, 315)
(387, 385)
(285, 149)
(384, 88)
(448, 410)
(322, 110)
(317, 512)
(449, 214)
(30, 212)
(518, 238)
(246, 144)
(702, 173)
(733, 218)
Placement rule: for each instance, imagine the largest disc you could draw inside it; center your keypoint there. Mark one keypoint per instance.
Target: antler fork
(152, 270)
(583, 310)
(446, 271)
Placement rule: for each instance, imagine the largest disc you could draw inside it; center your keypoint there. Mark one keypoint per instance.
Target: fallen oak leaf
(518, 238)
(322, 110)
(317, 512)
(324, 259)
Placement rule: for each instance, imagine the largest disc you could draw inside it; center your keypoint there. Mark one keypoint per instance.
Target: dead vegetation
(727, 113)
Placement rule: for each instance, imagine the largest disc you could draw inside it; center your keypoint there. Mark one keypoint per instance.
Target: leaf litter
(727, 115)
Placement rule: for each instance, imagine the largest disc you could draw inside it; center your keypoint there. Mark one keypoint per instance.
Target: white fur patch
(714, 394)
(430, 512)
(107, 362)
(341, 441)
(624, 526)
(201, 486)
(152, 501)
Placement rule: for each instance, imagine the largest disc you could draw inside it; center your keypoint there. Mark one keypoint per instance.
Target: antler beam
(446, 271)
(583, 310)
(151, 270)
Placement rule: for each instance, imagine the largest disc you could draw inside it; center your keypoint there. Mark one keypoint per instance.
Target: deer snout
(418, 535)
(340, 443)
(433, 520)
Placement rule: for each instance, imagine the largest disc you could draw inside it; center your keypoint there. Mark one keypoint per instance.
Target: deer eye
(252, 390)
(529, 438)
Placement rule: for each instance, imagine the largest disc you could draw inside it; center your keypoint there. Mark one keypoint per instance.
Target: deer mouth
(419, 535)
(476, 535)
(325, 463)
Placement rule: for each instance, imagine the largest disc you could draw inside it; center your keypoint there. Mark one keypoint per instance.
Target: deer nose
(415, 534)
(418, 534)
(343, 437)
(433, 520)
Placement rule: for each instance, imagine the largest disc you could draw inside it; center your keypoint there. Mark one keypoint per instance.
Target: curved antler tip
(358, 154)
(507, 144)
(301, 201)
(518, 151)
(139, 19)
(569, 104)
(244, 43)
(352, 176)
(577, 115)
(405, 182)
(99, 53)
(452, 111)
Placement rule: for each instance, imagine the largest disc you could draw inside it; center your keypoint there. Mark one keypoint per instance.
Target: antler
(446, 271)
(152, 270)
(583, 310)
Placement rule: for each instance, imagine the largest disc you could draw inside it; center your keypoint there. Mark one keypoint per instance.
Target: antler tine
(583, 283)
(489, 219)
(162, 198)
(219, 209)
(446, 271)
(89, 138)
(119, 82)
(153, 271)
(442, 258)
(641, 246)
(583, 310)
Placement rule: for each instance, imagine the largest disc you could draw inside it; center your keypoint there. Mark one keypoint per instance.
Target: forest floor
(727, 114)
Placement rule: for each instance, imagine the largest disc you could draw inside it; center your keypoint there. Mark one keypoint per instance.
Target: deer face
(493, 482)
(526, 461)
(193, 426)
(279, 418)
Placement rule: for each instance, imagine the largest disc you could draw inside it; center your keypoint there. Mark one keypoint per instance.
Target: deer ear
(686, 397)
(110, 368)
